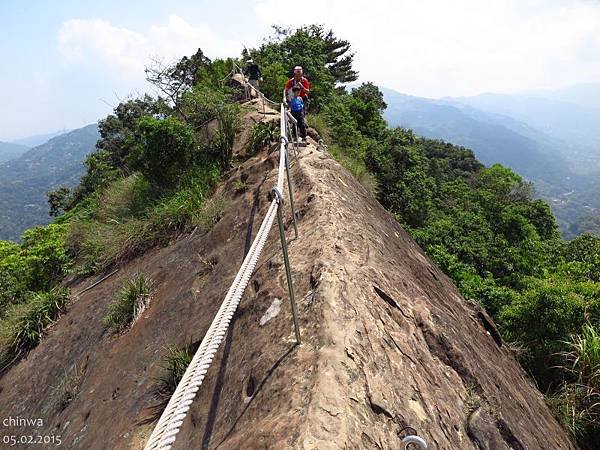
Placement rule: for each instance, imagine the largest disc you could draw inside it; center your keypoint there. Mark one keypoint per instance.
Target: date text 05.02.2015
(30, 439)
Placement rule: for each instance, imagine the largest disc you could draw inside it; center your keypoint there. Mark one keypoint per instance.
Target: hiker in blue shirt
(296, 105)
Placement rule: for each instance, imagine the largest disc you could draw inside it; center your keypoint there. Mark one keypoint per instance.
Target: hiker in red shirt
(297, 80)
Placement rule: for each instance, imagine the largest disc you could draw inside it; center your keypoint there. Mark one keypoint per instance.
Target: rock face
(387, 341)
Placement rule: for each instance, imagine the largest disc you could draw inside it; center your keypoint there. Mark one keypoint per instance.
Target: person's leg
(254, 84)
(302, 125)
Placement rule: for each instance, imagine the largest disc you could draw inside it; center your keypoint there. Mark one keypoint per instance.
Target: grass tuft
(261, 135)
(131, 301)
(584, 356)
(174, 366)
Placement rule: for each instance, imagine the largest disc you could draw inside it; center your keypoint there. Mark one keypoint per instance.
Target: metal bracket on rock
(415, 440)
(277, 194)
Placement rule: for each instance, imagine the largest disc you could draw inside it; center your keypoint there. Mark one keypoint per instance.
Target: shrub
(221, 145)
(543, 317)
(131, 301)
(13, 274)
(24, 324)
(59, 200)
(274, 80)
(203, 104)
(45, 253)
(164, 151)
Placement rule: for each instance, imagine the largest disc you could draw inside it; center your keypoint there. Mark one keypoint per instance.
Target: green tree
(176, 79)
(366, 108)
(59, 200)
(165, 150)
(326, 61)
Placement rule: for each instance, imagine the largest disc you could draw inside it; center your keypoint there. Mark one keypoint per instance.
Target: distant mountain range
(574, 127)
(548, 140)
(10, 150)
(24, 181)
(39, 139)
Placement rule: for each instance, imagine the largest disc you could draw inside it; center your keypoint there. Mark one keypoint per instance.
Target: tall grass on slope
(128, 219)
(584, 356)
(356, 166)
(131, 301)
(577, 404)
(352, 158)
(24, 324)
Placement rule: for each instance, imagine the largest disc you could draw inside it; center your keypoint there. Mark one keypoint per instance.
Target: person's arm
(306, 85)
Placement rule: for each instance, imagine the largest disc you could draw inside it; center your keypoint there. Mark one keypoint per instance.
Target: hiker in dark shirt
(254, 74)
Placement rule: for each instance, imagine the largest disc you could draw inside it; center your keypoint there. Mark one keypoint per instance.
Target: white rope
(165, 432)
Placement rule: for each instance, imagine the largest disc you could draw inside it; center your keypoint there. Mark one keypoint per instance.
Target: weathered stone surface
(387, 341)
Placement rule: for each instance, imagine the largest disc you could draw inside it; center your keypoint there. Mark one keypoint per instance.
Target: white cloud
(461, 47)
(97, 43)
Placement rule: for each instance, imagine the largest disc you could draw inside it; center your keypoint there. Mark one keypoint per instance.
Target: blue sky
(66, 62)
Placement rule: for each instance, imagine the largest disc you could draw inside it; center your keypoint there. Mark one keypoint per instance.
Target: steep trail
(387, 341)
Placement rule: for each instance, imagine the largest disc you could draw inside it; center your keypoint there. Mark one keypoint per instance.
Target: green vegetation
(326, 59)
(131, 301)
(578, 403)
(25, 181)
(37, 264)
(23, 324)
(151, 178)
(261, 135)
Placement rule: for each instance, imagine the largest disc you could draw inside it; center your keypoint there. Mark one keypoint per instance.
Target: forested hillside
(157, 164)
(24, 181)
(571, 118)
(557, 164)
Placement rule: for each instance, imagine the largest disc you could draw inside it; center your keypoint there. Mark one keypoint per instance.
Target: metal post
(291, 139)
(289, 180)
(288, 271)
(297, 147)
